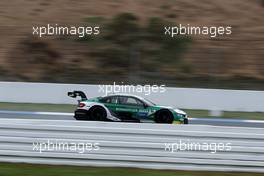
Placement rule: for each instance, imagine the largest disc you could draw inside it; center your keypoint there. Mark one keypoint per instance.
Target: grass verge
(37, 107)
(8, 169)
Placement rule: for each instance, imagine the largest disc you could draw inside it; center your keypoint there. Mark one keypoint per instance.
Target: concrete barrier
(188, 98)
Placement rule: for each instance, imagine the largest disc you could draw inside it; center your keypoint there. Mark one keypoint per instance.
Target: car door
(110, 102)
(128, 107)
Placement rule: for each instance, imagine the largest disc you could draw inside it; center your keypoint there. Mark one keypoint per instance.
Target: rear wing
(75, 94)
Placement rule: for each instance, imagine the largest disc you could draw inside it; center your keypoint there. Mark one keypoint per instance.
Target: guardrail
(132, 145)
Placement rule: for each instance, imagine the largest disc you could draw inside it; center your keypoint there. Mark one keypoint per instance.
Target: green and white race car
(125, 108)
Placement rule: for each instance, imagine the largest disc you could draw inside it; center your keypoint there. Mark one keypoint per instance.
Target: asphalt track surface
(69, 116)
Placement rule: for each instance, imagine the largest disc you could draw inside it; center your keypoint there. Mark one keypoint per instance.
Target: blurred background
(132, 47)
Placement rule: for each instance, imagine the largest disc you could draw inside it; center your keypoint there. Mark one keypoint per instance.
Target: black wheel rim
(165, 117)
(98, 114)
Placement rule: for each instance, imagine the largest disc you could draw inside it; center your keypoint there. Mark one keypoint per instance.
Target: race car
(125, 108)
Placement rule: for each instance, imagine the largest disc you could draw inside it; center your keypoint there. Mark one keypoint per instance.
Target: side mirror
(145, 105)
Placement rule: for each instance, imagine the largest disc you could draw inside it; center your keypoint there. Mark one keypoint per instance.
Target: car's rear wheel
(164, 116)
(98, 113)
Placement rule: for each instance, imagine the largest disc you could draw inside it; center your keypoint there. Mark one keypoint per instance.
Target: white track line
(71, 114)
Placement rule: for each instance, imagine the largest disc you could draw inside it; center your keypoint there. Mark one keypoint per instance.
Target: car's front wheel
(185, 121)
(164, 116)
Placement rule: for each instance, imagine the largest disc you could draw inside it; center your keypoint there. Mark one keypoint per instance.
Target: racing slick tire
(164, 116)
(185, 121)
(98, 113)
